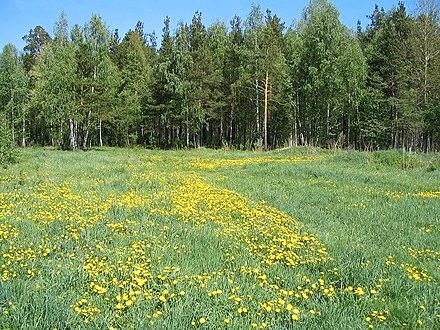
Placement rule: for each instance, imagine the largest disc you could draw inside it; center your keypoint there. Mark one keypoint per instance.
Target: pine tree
(276, 84)
(384, 37)
(216, 87)
(163, 91)
(35, 40)
(188, 110)
(233, 75)
(253, 85)
(254, 76)
(201, 70)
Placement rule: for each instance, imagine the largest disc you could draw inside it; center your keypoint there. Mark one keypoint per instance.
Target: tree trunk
(100, 133)
(75, 134)
(60, 138)
(87, 129)
(327, 123)
(23, 131)
(71, 134)
(426, 63)
(294, 133)
(221, 131)
(89, 115)
(231, 128)
(187, 132)
(266, 108)
(257, 107)
(12, 120)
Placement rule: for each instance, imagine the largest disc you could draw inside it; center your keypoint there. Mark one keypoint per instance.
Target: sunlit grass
(123, 239)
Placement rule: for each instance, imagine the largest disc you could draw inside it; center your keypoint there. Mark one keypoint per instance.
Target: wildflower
(242, 310)
(359, 291)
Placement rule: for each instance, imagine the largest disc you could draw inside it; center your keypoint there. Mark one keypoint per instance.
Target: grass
(311, 239)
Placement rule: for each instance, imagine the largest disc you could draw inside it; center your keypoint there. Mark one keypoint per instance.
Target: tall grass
(120, 239)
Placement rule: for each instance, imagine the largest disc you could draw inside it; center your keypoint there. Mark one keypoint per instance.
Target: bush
(7, 153)
(391, 158)
(405, 160)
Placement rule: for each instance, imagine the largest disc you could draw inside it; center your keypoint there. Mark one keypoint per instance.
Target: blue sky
(17, 17)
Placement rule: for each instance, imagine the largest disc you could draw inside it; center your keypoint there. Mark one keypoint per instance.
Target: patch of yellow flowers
(7, 231)
(120, 277)
(421, 194)
(213, 164)
(268, 233)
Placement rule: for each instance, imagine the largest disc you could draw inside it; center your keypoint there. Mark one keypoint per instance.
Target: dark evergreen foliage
(254, 84)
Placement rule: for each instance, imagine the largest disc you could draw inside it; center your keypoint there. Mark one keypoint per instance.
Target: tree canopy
(253, 84)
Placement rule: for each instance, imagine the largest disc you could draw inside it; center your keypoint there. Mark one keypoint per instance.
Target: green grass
(172, 227)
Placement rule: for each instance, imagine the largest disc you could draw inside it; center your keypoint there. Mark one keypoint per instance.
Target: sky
(17, 17)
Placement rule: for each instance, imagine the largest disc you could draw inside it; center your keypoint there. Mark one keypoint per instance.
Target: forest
(257, 174)
(253, 84)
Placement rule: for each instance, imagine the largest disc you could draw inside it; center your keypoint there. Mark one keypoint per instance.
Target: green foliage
(54, 92)
(35, 40)
(7, 152)
(14, 93)
(392, 159)
(396, 77)
(331, 74)
(255, 84)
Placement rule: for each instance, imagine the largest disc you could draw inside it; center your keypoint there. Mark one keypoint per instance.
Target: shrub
(7, 153)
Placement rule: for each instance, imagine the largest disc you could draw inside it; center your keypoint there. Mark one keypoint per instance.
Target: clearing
(121, 239)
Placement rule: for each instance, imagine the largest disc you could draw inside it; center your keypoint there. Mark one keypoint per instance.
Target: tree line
(253, 84)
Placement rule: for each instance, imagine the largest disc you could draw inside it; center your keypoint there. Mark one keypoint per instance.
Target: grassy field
(137, 239)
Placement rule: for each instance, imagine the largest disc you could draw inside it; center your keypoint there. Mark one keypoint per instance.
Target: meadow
(204, 239)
